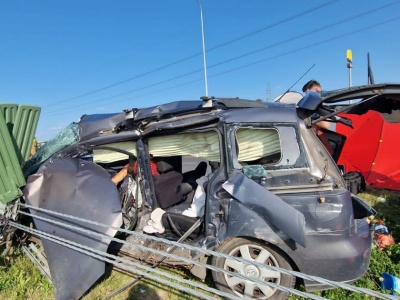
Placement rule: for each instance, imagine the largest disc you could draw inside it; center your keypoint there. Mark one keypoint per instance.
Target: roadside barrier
(173, 281)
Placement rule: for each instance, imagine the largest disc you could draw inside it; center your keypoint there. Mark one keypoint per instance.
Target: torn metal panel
(271, 207)
(82, 189)
(180, 123)
(250, 223)
(98, 124)
(168, 109)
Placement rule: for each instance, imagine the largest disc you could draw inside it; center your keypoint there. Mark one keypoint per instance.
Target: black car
(244, 178)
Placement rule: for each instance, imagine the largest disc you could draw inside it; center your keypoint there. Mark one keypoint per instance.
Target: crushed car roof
(94, 125)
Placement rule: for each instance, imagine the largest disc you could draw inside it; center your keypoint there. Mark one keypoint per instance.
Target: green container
(17, 129)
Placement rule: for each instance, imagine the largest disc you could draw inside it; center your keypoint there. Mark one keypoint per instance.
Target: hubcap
(248, 289)
(251, 271)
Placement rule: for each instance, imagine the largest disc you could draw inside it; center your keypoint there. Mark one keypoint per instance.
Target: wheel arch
(276, 247)
(248, 224)
(277, 257)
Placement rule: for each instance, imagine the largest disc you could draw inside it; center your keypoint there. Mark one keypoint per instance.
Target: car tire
(260, 252)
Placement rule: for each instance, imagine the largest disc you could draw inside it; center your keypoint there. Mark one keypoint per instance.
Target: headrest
(163, 167)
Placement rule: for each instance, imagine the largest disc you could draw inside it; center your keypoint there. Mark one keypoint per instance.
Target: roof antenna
(370, 75)
(288, 90)
(207, 102)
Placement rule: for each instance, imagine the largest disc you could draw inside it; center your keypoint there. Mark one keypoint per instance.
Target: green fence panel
(9, 111)
(11, 177)
(25, 123)
(18, 125)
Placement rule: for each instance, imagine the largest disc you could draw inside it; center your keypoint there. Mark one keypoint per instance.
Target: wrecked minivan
(243, 178)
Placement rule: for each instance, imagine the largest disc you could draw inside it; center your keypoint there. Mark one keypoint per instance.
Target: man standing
(312, 85)
(315, 86)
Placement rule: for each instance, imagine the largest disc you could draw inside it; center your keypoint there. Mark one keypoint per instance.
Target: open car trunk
(383, 98)
(371, 143)
(364, 120)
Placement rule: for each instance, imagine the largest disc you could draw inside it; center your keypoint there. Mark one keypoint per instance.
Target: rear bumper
(337, 258)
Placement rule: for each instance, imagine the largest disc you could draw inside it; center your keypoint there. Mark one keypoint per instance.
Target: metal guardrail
(140, 269)
(163, 253)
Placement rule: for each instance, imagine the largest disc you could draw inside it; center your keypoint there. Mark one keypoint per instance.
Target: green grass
(146, 288)
(20, 279)
(387, 204)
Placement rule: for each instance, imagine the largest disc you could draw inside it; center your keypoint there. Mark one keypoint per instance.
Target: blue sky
(83, 57)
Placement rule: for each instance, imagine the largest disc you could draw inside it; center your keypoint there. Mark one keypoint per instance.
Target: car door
(259, 165)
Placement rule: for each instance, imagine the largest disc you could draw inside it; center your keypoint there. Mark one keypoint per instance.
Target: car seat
(190, 177)
(167, 185)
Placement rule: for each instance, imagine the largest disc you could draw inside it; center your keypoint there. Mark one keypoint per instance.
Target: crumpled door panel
(272, 208)
(82, 189)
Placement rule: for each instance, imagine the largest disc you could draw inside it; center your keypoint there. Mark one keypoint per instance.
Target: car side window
(270, 147)
(258, 146)
(183, 161)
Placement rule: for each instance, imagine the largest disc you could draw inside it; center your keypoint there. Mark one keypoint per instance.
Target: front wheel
(252, 251)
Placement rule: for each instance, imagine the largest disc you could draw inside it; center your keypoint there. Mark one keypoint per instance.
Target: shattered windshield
(64, 138)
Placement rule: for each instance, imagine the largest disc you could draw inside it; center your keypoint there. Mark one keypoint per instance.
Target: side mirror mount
(310, 101)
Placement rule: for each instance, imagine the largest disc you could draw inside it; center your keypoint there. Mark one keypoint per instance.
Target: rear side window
(260, 146)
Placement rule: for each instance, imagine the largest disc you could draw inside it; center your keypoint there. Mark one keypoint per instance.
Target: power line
(197, 54)
(282, 54)
(240, 56)
(264, 60)
(275, 24)
(306, 34)
(308, 46)
(261, 61)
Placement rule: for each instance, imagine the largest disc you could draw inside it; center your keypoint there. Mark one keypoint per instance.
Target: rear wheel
(252, 251)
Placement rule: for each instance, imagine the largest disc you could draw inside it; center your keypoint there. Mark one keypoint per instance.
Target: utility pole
(204, 48)
(268, 98)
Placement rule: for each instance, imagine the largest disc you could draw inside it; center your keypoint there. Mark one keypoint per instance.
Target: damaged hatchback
(243, 178)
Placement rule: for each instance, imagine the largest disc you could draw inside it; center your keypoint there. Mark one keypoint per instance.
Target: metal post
(204, 48)
(349, 64)
(350, 83)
